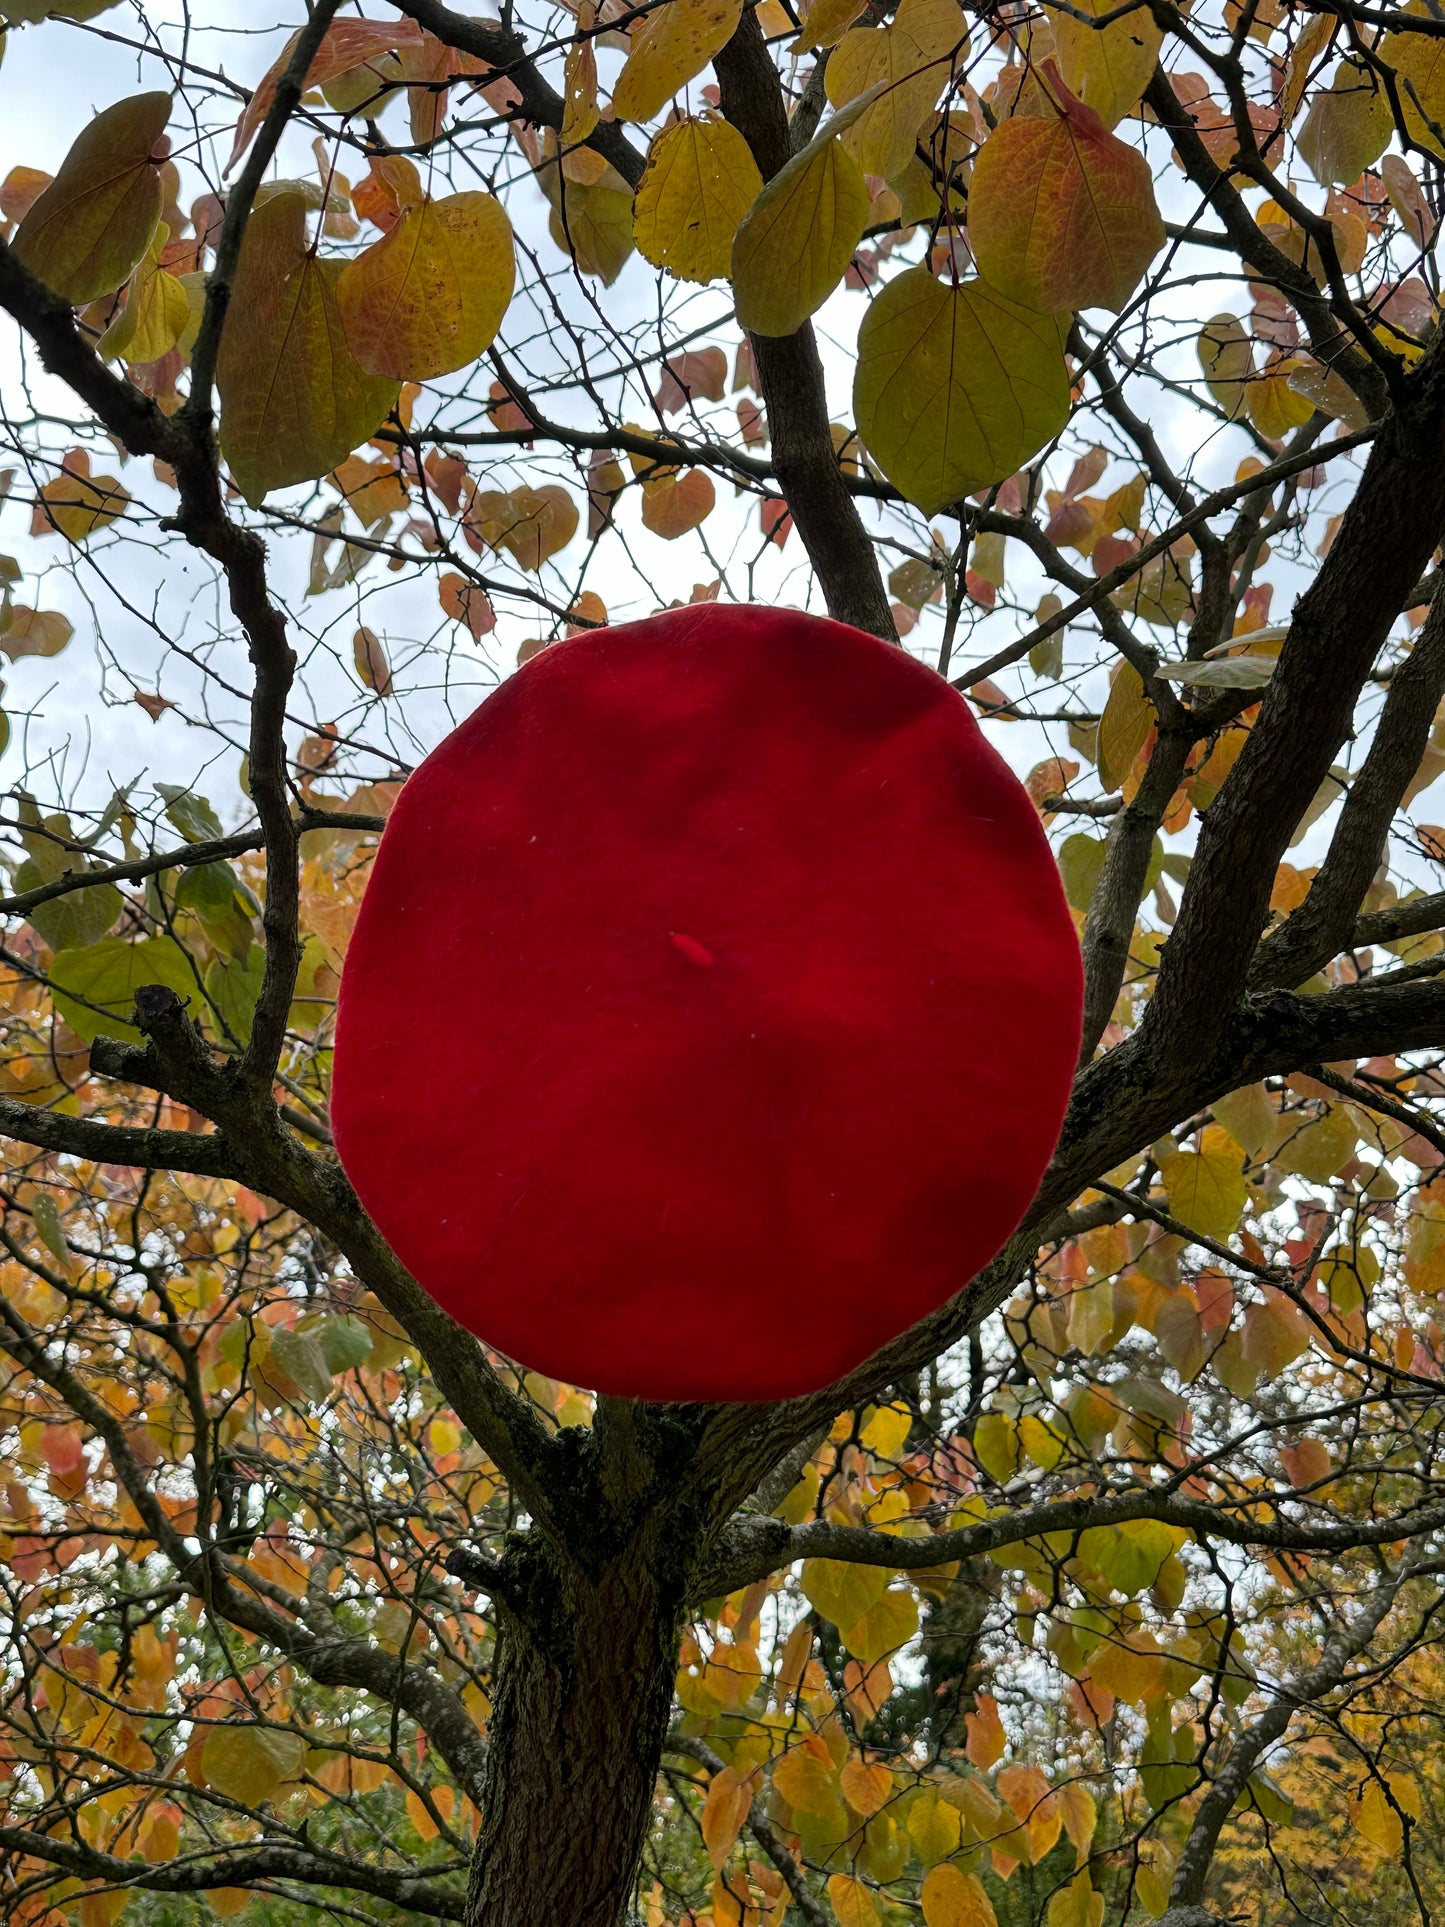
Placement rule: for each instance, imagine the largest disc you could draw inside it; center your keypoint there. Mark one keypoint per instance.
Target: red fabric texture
(712, 1007)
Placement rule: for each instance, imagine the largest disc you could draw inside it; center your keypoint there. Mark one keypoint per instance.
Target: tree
(1111, 1589)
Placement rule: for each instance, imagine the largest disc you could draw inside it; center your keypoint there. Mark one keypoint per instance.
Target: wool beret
(712, 1007)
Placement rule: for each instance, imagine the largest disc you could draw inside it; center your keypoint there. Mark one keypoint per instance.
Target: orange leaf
(986, 1739)
(729, 1795)
(344, 45)
(1061, 213)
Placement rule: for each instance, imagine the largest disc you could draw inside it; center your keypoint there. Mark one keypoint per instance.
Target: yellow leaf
(429, 296)
(825, 23)
(1206, 1189)
(934, 1827)
(157, 309)
(952, 1898)
(912, 60)
(886, 1432)
(1077, 1905)
(701, 180)
(1314, 40)
(1419, 63)
(1376, 1813)
(78, 504)
(669, 46)
(248, 1763)
(955, 388)
(1107, 67)
(1081, 1815)
(840, 1591)
(851, 1901)
(1125, 724)
(94, 222)
(891, 1623)
(794, 243)
(294, 400)
(1061, 214)
(590, 220)
(807, 1783)
(1348, 127)
(579, 82)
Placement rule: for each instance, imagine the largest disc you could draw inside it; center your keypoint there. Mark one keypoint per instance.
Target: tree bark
(581, 1701)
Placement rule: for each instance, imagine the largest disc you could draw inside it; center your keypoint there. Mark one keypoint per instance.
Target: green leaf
(191, 814)
(294, 400)
(92, 225)
(233, 985)
(955, 388)
(300, 1356)
(94, 989)
(1130, 1556)
(70, 922)
(1081, 860)
(44, 1211)
(345, 1343)
(797, 238)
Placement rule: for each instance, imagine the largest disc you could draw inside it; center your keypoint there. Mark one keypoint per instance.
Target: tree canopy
(1090, 352)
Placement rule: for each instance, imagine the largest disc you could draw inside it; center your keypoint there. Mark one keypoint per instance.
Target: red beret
(712, 1008)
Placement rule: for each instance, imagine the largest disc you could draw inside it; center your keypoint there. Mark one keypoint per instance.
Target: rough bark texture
(580, 1708)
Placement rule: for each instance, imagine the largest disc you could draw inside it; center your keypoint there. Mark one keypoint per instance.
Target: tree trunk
(580, 1709)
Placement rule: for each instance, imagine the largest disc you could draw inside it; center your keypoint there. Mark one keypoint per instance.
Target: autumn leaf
(952, 1898)
(794, 243)
(36, 632)
(371, 663)
(852, 1903)
(905, 65)
(701, 180)
(1106, 67)
(78, 504)
(429, 296)
(955, 387)
(249, 1763)
(591, 220)
(466, 602)
(1227, 358)
(532, 525)
(88, 230)
(670, 45)
(294, 400)
(825, 22)
(1061, 214)
(867, 1788)
(157, 309)
(1124, 726)
(672, 505)
(729, 1796)
(346, 44)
